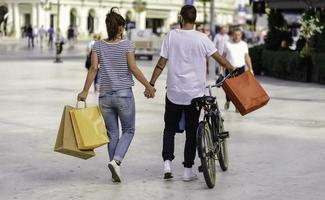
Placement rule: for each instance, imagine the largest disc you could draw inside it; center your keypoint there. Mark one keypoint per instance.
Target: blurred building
(89, 15)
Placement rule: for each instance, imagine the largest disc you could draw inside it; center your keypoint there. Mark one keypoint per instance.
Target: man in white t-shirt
(184, 51)
(236, 52)
(220, 41)
(41, 34)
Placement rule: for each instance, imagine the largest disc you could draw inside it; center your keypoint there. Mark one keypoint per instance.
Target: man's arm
(249, 63)
(222, 61)
(158, 69)
(222, 69)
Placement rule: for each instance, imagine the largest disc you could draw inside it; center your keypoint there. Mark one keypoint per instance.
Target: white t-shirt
(220, 42)
(90, 45)
(236, 53)
(41, 32)
(186, 51)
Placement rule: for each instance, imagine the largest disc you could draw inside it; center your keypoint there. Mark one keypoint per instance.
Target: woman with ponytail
(117, 64)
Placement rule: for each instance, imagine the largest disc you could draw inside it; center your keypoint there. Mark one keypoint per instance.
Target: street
(276, 153)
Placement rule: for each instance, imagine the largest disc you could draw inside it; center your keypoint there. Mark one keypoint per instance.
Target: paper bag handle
(85, 104)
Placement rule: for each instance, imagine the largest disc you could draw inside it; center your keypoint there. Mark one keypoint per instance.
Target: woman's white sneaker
(115, 170)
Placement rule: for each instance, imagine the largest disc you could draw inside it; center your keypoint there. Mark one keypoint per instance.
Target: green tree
(278, 31)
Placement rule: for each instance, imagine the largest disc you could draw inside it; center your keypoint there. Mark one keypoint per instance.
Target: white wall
(225, 10)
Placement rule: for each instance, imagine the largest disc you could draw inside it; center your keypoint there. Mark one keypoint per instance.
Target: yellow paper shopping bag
(89, 127)
(66, 141)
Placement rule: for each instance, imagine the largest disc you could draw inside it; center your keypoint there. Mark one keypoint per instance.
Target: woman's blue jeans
(115, 106)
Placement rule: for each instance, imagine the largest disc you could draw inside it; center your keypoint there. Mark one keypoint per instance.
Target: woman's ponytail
(113, 22)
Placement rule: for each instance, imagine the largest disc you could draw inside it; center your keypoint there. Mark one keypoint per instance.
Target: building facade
(89, 15)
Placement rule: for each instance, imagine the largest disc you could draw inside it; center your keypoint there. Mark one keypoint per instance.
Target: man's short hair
(237, 30)
(188, 13)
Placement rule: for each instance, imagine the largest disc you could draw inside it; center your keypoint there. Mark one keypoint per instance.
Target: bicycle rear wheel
(206, 154)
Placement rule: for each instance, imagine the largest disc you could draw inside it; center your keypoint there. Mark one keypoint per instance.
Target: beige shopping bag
(66, 141)
(89, 127)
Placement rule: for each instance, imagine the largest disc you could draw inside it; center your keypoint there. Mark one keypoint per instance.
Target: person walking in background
(203, 28)
(35, 34)
(116, 57)
(76, 33)
(71, 36)
(220, 40)
(236, 51)
(96, 37)
(30, 36)
(50, 33)
(60, 41)
(41, 34)
(185, 51)
(23, 30)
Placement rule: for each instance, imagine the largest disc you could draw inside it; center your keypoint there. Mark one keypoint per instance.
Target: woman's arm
(82, 96)
(149, 90)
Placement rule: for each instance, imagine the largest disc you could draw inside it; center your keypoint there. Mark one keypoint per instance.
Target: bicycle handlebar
(219, 84)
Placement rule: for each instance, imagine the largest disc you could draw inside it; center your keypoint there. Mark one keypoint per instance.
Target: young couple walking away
(184, 51)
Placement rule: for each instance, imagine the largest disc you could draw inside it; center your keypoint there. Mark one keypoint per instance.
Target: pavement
(13, 49)
(276, 153)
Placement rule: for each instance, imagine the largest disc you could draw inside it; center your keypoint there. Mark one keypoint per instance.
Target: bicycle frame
(211, 115)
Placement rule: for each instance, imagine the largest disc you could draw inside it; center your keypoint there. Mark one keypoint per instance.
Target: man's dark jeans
(173, 113)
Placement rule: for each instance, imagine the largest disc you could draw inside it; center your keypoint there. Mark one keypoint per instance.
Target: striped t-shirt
(113, 71)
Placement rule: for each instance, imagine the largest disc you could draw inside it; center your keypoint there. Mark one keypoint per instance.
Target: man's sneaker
(168, 170)
(227, 105)
(189, 175)
(115, 170)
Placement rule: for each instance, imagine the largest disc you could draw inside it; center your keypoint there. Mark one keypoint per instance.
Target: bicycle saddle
(205, 100)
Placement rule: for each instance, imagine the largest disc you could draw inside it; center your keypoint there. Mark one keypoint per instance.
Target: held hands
(82, 96)
(149, 92)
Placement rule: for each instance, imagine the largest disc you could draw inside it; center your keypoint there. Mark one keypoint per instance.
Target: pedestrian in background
(236, 51)
(185, 51)
(71, 36)
(205, 29)
(96, 37)
(23, 31)
(41, 34)
(116, 57)
(220, 41)
(60, 40)
(50, 33)
(30, 36)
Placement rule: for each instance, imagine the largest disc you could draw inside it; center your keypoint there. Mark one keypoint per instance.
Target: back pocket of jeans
(124, 93)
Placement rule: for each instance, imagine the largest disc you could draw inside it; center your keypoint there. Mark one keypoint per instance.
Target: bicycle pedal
(200, 168)
(224, 135)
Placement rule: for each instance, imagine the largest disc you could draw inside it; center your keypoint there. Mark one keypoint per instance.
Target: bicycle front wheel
(222, 150)
(206, 154)
(223, 154)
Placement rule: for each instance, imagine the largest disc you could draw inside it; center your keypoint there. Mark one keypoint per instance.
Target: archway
(91, 21)
(3, 19)
(73, 17)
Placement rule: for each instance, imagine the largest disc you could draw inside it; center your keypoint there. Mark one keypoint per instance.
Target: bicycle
(211, 137)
